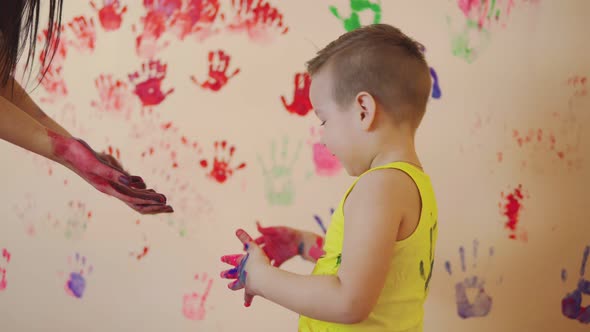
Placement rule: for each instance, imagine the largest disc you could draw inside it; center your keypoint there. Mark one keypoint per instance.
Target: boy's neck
(402, 150)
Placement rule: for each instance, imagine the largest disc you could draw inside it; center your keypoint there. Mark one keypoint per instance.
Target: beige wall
(518, 82)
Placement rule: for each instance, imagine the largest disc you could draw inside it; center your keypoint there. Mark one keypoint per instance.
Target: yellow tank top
(400, 306)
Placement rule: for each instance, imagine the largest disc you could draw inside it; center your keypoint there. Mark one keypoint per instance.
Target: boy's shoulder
(386, 185)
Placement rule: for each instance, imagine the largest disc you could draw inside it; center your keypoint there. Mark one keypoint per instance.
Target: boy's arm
(373, 213)
(14, 93)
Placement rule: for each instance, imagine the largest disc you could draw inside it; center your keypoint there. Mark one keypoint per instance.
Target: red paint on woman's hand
(105, 174)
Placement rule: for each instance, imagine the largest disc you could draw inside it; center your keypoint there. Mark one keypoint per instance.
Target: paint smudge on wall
(75, 221)
(325, 163)
(75, 285)
(52, 64)
(436, 92)
(480, 17)
(218, 76)
(221, 168)
(143, 250)
(301, 104)
(471, 297)
(257, 18)
(571, 304)
(511, 207)
(194, 304)
(192, 210)
(110, 14)
(278, 176)
(148, 83)
(25, 211)
(4, 260)
(357, 9)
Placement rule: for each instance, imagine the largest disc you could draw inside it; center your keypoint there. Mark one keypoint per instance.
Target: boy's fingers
(232, 259)
(248, 299)
(235, 285)
(243, 236)
(230, 274)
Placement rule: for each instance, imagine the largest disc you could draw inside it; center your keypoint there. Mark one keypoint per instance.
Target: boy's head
(367, 84)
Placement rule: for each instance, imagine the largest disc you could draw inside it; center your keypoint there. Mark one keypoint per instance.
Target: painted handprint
(571, 304)
(77, 219)
(218, 76)
(193, 303)
(257, 18)
(110, 14)
(301, 105)
(4, 260)
(149, 42)
(356, 7)
(196, 17)
(76, 284)
(221, 169)
(114, 96)
(326, 164)
(148, 83)
(279, 176)
(54, 84)
(481, 303)
(83, 34)
(55, 55)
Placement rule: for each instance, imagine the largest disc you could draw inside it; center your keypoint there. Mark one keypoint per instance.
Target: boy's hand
(106, 174)
(245, 268)
(280, 243)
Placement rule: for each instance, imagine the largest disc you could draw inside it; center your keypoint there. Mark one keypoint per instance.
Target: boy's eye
(323, 123)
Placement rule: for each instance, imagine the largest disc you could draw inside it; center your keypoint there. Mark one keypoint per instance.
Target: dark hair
(383, 61)
(19, 23)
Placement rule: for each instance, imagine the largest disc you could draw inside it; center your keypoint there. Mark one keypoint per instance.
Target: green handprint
(357, 6)
(464, 44)
(278, 178)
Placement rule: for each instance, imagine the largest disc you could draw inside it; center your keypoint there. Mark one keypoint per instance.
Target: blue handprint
(571, 304)
(482, 303)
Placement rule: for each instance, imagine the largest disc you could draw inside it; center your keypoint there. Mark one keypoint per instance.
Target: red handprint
(164, 7)
(114, 96)
(84, 34)
(57, 51)
(110, 15)
(222, 170)
(147, 44)
(258, 18)
(218, 65)
(54, 84)
(148, 83)
(301, 104)
(193, 304)
(198, 17)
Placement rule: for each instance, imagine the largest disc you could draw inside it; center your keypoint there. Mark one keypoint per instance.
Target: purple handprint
(571, 304)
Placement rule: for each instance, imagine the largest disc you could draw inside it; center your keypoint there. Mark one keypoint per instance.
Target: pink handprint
(56, 54)
(193, 304)
(84, 34)
(301, 105)
(258, 18)
(111, 14)
(326, 164)
(148, 83)
(114, 96)
(148, 43)
(4, 259)
(222, 170)
(54, 84)
(198, 17)
(218, 65)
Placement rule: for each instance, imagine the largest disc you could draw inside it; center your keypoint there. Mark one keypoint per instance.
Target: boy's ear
(365, 106)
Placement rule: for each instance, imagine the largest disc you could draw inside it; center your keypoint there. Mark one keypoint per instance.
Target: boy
(369, 89)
